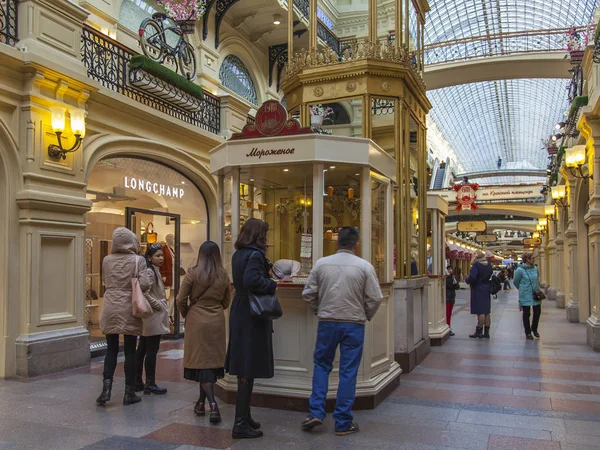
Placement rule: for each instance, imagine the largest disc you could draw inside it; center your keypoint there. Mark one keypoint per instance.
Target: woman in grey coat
(117, 318)
(154, 326)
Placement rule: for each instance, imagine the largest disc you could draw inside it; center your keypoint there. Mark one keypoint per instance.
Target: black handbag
(265, 306)
(537, 294)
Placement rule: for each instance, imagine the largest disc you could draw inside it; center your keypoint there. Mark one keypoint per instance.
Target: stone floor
(502, 393)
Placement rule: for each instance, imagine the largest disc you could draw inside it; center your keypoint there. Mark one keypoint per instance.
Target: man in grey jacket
(343, 289)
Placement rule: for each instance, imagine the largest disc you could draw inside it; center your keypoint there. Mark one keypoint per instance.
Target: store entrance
(152, 227)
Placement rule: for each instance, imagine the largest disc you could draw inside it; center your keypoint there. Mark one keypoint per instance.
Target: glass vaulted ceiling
(505, 118)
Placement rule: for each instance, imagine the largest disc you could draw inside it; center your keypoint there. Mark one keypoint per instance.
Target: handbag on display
(537, 294)
(140, 307)
(150, 236)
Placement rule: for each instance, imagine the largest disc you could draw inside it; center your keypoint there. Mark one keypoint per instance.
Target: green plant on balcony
(578, 102)
(163, 73)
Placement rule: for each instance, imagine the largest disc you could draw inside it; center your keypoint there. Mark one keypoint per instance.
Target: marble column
(551, 265)
(560, 266)
(572, 305)
(592, 220)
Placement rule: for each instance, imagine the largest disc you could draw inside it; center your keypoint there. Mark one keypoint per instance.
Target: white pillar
(365, 213)
(235, 204)
(317, 219)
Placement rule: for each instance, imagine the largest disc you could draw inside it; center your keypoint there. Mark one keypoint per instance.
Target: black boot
(486, 332)
(106, 389)
(139, 384)
(241, 427)
(253, 423)
(130, 397)
(152, 388)
(478, 333)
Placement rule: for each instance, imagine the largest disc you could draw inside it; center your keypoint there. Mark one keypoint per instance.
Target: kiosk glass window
(154, 191)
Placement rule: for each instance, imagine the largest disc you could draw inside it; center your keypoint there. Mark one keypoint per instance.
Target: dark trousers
(350, 337)
(537, 312)
(449, 308)
(506, 284)
(147, 349)
(112, 351)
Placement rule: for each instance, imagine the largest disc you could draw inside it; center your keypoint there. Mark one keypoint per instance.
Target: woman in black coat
(481, 303)
(250, 350)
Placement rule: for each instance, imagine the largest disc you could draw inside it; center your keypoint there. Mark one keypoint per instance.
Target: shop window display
(159, 205)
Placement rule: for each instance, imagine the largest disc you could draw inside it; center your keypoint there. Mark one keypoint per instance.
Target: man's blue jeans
(350, 337)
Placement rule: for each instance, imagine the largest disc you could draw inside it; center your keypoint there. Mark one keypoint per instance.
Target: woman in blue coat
(481, 303)
(527, 280)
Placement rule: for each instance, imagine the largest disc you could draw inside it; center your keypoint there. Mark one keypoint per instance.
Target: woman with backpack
(527, 282)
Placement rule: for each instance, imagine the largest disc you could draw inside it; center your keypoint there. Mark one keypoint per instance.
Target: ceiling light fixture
(277, 19)
(332, 167)
(560, 125)
(286, 170)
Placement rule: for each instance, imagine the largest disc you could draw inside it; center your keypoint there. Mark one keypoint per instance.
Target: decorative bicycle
(153, 39)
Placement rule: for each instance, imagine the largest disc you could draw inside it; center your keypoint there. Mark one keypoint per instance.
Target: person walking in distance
(154, 326)
(343, 290)
(481, 303)
(117, 317)
(527, 281)
(451, 287)
(204, 295)
(250, 348)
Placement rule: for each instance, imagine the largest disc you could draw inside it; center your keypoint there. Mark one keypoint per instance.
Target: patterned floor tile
(498, 442)
(184, 434)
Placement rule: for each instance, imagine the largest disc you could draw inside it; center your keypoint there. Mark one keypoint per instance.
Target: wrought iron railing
(382, 106)
(500, 44)
(303, 6)
(576, 84)
(8, 22)
(106, 61)
(327, 36)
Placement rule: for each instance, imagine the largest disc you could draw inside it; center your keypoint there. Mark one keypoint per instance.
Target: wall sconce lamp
(551, 213)
(276, 19)
(559, 195)
(556, 137)
(575, 158)
(58, 126)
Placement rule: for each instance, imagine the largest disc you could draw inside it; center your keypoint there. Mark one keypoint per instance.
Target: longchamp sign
(498, 193)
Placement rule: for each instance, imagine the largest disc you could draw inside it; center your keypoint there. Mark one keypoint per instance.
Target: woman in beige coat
(116, 318)
(204, 295)
(154, 326)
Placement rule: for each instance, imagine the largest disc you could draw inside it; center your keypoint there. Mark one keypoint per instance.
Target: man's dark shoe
(310, 422)
(528, 336)
(154, 389)
(536, 334)
(451, 333)
(353, 428)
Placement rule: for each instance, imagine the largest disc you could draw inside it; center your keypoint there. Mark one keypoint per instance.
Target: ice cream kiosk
(307, 185)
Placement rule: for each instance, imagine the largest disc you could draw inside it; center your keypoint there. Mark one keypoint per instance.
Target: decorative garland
(184, 9)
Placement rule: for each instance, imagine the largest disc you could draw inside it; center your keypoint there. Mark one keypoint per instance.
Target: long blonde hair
(209, 269)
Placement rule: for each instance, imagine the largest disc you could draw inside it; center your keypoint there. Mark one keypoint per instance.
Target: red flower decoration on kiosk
(466, 196)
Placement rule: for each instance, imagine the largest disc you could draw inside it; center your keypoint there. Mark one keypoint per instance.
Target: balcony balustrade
(8, 22)
(106, 61)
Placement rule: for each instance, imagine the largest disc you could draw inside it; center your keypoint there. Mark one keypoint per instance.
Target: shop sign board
(532, 241)
(151, 187)
(475, 226)
(498, 193)
(486, 238)
(466, 194)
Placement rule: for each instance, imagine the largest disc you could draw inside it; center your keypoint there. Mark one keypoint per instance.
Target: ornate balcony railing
(576, 84)
(106, 61)
(327, 36)
(303, 6)
(500, 44)
(8, 22)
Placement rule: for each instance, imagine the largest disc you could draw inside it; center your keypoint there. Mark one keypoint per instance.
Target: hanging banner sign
(486, 238)
(476, 226)
(465, 196)
(487, 193)
(532, 241)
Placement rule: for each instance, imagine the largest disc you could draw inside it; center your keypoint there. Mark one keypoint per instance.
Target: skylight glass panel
(499, 119)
